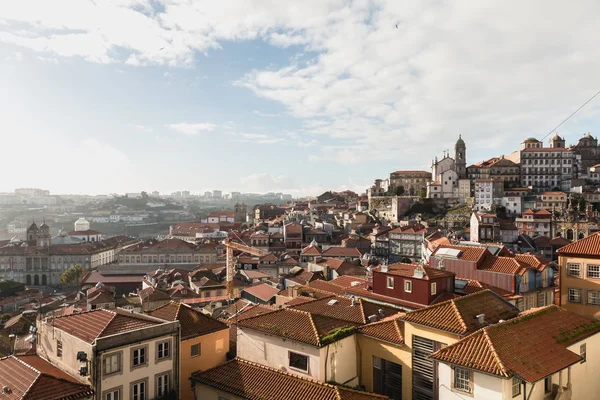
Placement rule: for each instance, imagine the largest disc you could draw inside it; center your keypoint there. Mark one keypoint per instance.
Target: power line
(574, 112)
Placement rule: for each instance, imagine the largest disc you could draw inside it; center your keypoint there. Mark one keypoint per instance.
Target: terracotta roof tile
(458, 316)
(257, 382)
(390, 329)
(337, 251)
(294, 324)
(326, 286)
(542, 336)
(504, 265)
(468, 253)
(347, 281)
(588, 246)
(408, 270)
(532, 261)
(30, 377)
(89, 326)
(193, 323)
(344, 310)
(311, 251)
(262, 291)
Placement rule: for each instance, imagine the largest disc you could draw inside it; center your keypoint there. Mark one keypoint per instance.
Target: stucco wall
(273, 352)
(339, 361)
(370, 348)
(484, 386)
(204, 392)
(213, 351)
(567, 282)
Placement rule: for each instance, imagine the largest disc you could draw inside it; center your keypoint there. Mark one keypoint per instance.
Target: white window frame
(574, 295)
(114, 394)
(595, 274)
(162, 385)
(198, 345)
(108, 361)
(408, 286)
(593, 297)
(462, 380)
(142, 356)
(390, 282)
(516, 387)
(301, 355)
(433, 288)
(571, 268)
(163, 350)
(142, 394)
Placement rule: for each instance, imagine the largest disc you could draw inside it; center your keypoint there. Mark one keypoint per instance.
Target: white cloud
(192, 129)
(259, 138)
(308, 143)
(261, 114)
(16, 56)
(140, 127)
(485, 70)
(48, 60)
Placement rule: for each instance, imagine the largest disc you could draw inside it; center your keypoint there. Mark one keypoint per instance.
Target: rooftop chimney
(480, 318)
(373, 318)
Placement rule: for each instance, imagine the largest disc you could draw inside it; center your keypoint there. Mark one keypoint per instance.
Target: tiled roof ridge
(362, 311)
(314, 326)
(108, 323)
(458, 315)
(31, 368)
(501, 365)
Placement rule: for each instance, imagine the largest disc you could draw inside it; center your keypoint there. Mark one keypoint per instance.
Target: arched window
(28, 280)
(570, 234)
(44, 280)
(36, 280)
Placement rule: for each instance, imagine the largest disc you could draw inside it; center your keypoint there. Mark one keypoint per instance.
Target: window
(573, 269)
(433, 288)
(593, 271)
(462, 379)
(162, 385)
(298, 361)
(593, 297)
(516, 387)
(138, 390)
(583, 352)
(112, 363)
(574, 295)
(112, 395)
(390, 282)
(138, 356)
(195, 350)
(59, 348)
(408, 286)
(548, 384)
(163, 350)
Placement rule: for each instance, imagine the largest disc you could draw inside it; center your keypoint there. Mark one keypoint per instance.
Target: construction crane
(231, 246)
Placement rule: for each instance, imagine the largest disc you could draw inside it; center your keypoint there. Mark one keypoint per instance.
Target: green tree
(423, 193)
(399, 190)
(72, 275)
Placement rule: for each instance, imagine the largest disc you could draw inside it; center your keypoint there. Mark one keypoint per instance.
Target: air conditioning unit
(81, 356)
(83, 371)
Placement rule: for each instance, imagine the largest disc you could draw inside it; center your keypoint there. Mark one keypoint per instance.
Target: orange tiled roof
(344, 310)
(408, 270)
(257, 382)
(504, 265)
(532, 261)
(458, 315)
(33, 378)
(468, 253)
(531, 346)
(389, 329)
(263, 291)
(588, 246)
(311, 251)
(347, 281)
(89, 326)
(326, 286)
(336, 251)
(192, 322)
(294, 324)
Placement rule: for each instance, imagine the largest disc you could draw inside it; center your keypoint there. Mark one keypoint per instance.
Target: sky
(274, 95)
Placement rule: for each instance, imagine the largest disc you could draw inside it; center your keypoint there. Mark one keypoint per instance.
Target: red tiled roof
(458, 316)
(253, 381)
(32, 378)
(295, 324)
(326, 286)
(361, 292)
(311, 251)
(268, 257)
(93, 277)
(531, 346)
(344, 310)
(504, 265)
(89, 326)
(588, 246)
(192, 322)
(412, 173)
(153, 294)
(532, 261)
(337, 251)
(408, 270)
(347, 281)
(390, 329)
(262, 291)
(468, 253)
(474, 286)
(84, 233)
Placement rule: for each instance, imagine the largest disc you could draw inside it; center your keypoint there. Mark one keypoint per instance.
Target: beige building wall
(370, 348)
(583, 282)
(208, 393)
(213, 352)
(339, 361)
